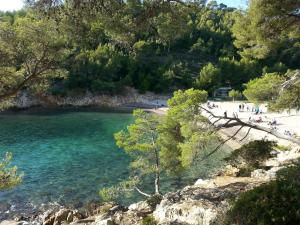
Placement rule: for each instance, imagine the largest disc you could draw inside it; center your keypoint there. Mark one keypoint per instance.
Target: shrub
(252, 155)
(149, 220)
(282, 148)
(275, 203)
(154, 200)
(9, 176)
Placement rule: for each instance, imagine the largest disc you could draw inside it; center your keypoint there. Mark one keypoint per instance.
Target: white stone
(190, 212)
(108, 221)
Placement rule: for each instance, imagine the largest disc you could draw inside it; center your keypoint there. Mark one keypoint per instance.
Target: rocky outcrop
(280, 160)
(131, 98)
(201, 203)
(283, 158)
(117, 215)
(63, 215)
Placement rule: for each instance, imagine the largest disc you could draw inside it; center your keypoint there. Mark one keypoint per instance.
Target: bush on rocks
(251, 156)
(274, 203)
(149, 220)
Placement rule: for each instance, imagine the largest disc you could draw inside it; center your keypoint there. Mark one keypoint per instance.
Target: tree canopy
(9, 176)
(158, 46)
(31, 51)
(281, 92)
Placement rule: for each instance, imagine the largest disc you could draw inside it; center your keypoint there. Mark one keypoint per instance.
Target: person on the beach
(259, 120)
(273, 122)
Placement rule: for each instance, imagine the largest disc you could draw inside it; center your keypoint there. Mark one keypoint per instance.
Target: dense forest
(152, 46)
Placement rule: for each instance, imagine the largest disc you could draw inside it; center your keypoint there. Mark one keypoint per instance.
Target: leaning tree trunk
(157, 173)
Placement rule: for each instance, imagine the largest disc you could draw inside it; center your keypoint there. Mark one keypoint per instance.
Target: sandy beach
(285, 121)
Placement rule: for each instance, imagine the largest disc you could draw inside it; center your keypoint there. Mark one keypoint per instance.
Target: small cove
(67, 155)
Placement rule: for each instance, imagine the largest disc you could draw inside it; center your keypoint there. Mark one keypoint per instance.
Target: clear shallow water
(67, 156)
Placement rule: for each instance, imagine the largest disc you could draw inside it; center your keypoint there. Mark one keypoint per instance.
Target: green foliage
(272, 19)
(276, 68)
(124, 189)
(235, 73)
(213, 30)
(152, 45)
(9, 176)
(289, 93)
(277, 202)
(149, 220)
(101, 70)
(31, 52)
(280, 91)
(263, 89)
(251, 156)
(283, 148)
(184, 131)
(209, 78)
(269, 31)
(140, 141)
(162, 46)
(171, 27)
(164, 144)
(234, 94)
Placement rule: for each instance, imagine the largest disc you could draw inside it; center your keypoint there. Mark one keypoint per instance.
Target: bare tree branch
(221, 144)
(246, 134)
(141, 192)
(236, 122)
(16, 89)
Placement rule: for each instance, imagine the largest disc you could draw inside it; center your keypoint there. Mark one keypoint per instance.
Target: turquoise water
(67, 156)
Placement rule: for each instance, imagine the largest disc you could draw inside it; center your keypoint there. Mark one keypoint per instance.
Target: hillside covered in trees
(158, 46)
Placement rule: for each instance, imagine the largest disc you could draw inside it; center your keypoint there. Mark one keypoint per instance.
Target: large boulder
(195, 205)
(63, 215)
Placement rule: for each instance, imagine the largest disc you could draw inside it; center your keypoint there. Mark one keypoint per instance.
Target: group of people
(273, 122)
(211, 106)
(257, 118)
(256, 110)
(290, 134)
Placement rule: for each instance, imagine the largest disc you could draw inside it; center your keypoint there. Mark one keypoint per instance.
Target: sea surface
(68, 155)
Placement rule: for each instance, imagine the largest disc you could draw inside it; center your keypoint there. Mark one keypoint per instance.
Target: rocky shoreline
(200, 204)
(132, 98)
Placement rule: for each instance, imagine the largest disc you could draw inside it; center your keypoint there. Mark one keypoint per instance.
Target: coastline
(224, 134)
(188, 207)
(132, 99)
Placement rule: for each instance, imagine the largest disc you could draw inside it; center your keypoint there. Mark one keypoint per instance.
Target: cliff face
(131, 98)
